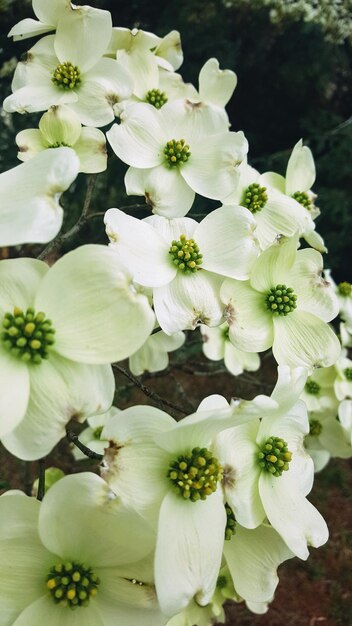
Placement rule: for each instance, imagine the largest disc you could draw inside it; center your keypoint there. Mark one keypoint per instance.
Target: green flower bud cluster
(315, 428)
(274, 456)
(312, 387)
(97, 432)
(348, 373)
(72, 584)
(27, 336)
(303, 198)
(345, 289)
(281, 300)
(66, 75)
(185, 254)
(156, 97)
(176, 152)
(254, 198)
(195, 475)
(230, 528)
(221, 582)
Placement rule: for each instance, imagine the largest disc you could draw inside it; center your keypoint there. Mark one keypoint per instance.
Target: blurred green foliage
(292, 83)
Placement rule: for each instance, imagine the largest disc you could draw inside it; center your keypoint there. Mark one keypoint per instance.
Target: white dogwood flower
(29, 210)
(285, 304)
(55, 351)
(185, 261)
(60, 126)
(72, 74)
(175, 152)
(79, 549)
(217, 346)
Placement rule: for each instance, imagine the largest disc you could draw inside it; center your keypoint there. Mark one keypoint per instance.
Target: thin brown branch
(161, 402)
(73, 438)
(41, 479)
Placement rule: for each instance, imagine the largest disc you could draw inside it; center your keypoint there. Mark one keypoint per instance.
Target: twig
(56, 243)
(72, 438)
(161, 402)
(41, 479)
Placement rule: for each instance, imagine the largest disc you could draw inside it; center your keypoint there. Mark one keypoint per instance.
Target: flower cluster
(185, 514)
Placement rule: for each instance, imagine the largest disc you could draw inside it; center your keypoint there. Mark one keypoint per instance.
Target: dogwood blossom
(217, 346)
(285, 304)
(175, 152)
(166, 254)
(53, 559)
(60, 126)
(55, 352)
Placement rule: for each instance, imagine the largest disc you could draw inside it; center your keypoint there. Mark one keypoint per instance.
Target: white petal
(314, 294)
(300, 173)
(141, 65)
(164, 189)
(82, 36)
(237, 361)
(213, 342)
(211, 168)
(91, 151)
(295, 518)
(188, 551)
(253, 557)
(50, 12)
(144, 253)
(102, 318)
(281, 215)
(215, 85)
(29, 28)
(24, 560)
(250, 325)
(170, 49)
(289, 386)
(274, 264)
(30, 210)
(37, 98)
(14, 391)
(59, 390)
(237, 450)
(225, 238)
(274, 180)
(19, 282)
(30, 142)
(302, 339)
(188, 301)
(90, 506)
(138, 140)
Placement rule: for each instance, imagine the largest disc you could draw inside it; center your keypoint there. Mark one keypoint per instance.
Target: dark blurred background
(294, 80)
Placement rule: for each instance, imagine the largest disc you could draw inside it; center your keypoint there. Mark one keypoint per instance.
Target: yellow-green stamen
(281, 300)
(254, 198)
(312, 387)
(195, 476)
(27, 335)
(345, 289)
(72, 584)
(303, 198)
(176, 152)
(156, 97)
(315, 427)
(230, 529)
(274, 456)
(66, 75)
(185, 254)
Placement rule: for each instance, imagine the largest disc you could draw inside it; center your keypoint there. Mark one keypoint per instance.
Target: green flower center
(176, 152)
(97, 432)
(185, 254)
(254, 198)
(345, 289)
(312, 387)
(230, 529)
(348, 373)
(281, 300)
(59, 144)
(66, 75)
(303, 198)
(156, 97)
(72, 584)
(28, 335)
(221, 582)
(315, 428)
(195, 476)
(274, 456)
